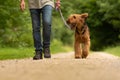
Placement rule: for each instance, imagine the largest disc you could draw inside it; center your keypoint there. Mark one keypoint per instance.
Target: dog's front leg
(77, 48)
(86, 49)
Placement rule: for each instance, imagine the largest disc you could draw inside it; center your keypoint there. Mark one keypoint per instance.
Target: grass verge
(15, 53)
(113, 50)
(20, 53)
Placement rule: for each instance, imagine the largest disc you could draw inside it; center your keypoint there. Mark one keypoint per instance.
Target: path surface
(63, 66)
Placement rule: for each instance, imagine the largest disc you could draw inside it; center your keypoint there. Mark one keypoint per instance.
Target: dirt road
(63, 66)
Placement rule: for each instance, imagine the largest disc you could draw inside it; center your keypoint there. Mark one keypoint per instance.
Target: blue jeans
(44, 16)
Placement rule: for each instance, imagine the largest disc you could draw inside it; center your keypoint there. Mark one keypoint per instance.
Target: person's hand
(22, 5)
(57, 4)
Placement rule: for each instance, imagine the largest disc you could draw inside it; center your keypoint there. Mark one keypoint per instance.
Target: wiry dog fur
(77, 22)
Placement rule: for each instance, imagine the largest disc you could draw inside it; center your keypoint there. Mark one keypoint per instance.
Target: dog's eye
(74, 17)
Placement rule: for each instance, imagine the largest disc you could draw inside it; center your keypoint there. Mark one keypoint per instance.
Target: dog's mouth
(72, 26)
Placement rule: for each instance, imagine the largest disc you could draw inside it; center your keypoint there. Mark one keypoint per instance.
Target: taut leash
(63, 19)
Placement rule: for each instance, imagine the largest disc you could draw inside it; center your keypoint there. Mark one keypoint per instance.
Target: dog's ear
(84, 15)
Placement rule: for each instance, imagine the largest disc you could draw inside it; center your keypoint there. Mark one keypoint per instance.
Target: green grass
(20, 53)
(58, 46)
(55, 50)
(15, 53)
(113, 50)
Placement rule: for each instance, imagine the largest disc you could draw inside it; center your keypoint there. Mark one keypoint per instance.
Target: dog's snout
(68, 21)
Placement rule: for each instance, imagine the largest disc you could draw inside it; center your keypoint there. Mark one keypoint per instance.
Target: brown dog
(77, 22)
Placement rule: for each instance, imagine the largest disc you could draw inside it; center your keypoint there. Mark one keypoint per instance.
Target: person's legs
(46, 17)
(35, 16)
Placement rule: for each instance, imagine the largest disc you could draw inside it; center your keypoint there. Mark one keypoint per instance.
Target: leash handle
(63, 19)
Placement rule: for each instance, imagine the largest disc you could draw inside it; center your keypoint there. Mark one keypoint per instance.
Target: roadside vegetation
(28, 52)
(113, 50)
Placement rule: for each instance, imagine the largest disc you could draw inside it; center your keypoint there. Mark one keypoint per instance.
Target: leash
(63, 19)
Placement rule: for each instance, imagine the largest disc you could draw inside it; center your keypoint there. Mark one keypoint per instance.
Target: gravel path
(63, 66)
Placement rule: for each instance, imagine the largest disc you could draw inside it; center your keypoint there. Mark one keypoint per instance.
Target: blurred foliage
(103, 21)
(14, 27)
(115, 50)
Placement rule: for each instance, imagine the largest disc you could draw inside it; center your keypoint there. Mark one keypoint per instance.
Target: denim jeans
(41, 17)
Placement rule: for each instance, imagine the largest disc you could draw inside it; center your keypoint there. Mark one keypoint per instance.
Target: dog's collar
(82, 30)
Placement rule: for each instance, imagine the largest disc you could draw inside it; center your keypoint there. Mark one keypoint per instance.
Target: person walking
(41, 14)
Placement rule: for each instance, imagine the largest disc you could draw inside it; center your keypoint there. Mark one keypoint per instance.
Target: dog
(77, 22)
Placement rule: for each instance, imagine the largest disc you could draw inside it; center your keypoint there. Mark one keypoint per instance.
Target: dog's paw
(84, 55)
(77, 57)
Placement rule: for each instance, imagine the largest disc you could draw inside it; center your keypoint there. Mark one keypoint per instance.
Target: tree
(13, 23)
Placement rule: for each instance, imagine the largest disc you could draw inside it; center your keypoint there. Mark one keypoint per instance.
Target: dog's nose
(68, 21)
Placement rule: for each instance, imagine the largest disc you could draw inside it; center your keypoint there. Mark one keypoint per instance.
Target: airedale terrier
(77, 22)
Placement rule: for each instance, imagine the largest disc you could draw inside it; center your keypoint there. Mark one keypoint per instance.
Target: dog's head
(76, 20)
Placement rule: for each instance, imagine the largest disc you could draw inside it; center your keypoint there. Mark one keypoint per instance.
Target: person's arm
(57, 4)
(22, 5)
